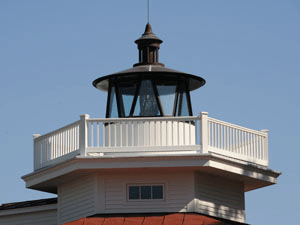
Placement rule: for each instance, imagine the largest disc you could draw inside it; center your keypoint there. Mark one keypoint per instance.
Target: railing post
(265, 145)
(83, 134)
(204, 132)
(36, 153)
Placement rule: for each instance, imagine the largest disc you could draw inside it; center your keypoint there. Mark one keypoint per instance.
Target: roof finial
(148, 14)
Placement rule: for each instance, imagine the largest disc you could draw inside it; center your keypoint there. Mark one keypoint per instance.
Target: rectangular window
(145, 192)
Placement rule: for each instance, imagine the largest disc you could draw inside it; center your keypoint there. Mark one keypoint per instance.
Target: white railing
(128, 132)
(55, 145)
(234, 141)
(161, 135)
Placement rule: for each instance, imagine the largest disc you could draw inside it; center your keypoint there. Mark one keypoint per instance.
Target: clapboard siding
(76, 199)
(48, 217)
(178, 192)
(219, 197)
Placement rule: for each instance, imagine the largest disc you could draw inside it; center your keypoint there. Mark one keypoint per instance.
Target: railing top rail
(57, 130)
(261, 133)
(181, 118)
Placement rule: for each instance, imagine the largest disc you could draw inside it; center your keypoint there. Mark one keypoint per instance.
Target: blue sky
(248, 52)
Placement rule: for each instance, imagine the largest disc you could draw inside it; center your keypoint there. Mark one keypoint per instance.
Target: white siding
(178, 192)
(219, 197)
(32, 218)
(76, 199)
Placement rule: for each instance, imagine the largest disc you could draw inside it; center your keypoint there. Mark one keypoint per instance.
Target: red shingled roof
(167, 219)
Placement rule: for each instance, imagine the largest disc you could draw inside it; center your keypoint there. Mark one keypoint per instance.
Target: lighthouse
(150, 158)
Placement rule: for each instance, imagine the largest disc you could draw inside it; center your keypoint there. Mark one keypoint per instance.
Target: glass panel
(157, 192)
(146, 192)
(113, 108)
(146, 104)
(182, 106)
(134, 192)
(167, 96)
(127, 93)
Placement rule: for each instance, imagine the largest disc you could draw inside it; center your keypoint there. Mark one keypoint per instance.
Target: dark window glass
(113, 110)
(157, 192)
(145, 192)
(167, 96)
(127, 94)
(146, 104)
(134, 192)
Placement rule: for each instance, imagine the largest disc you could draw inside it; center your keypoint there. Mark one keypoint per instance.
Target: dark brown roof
(153, 219)
(18, 205)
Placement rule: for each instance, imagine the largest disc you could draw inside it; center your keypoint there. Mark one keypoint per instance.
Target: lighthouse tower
(150, 155)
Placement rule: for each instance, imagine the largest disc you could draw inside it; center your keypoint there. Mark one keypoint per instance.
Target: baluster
(223, 137)
(248, 145)
(103, 135)
(239, 142)
(178, 131)
(154, 132)
(48, 148)
(254, 146)
(54, 145)
(59, 145)
(171, 130)
(63, 142)
(91, 137)
(135, 124)
(234, 130)
(251, 145)
(97, 133)
(126, 133)
(109, 134)
(190, 132)
(161, 136)
(71, 139)
(68, 141)
(120, 123)
(230, 139)
(260, 147)
(184, 133)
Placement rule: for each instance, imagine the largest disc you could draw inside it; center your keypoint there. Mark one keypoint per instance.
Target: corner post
(83, 134)
(266, 145)
(204, 132)
(36, 152)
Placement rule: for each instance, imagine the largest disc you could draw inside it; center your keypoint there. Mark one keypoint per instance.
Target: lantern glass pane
(127, 93)
(146, 104)
(182, 106)
(113, 110)
(167, 96)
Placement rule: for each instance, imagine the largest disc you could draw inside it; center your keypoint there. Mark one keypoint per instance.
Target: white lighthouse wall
(184, 191)
(76, 199)
(178, 191)
(219, 197)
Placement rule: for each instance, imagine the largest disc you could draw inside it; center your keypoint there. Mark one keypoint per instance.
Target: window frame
(145, 184)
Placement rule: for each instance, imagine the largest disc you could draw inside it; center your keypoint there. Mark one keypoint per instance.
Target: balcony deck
(151, 136)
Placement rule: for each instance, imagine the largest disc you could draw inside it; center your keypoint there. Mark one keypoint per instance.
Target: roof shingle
(153, 219)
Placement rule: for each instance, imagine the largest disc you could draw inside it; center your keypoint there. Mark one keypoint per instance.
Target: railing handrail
(182, 118)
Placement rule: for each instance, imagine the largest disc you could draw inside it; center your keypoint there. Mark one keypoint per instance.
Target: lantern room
(149, 89)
